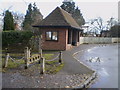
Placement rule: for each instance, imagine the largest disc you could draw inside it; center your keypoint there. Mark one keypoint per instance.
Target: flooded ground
(104, 60)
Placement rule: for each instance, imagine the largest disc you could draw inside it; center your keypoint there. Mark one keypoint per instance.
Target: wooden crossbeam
(33, 59)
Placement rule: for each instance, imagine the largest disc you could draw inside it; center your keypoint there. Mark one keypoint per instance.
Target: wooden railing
(32, 59)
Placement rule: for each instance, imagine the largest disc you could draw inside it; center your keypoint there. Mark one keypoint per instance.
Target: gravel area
(28, 80)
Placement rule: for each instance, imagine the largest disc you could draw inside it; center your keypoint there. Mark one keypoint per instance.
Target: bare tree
(18, 19)
(111, 22)
(97, 24)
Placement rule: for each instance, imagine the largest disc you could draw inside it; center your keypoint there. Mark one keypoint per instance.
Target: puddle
(104, 60)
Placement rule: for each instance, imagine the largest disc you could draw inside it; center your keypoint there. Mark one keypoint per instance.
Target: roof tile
(59, 17)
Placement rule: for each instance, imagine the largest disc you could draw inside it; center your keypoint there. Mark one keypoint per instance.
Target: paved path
(72, 66)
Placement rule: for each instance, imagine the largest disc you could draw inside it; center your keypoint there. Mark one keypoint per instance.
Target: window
(52, 35)
(48, 35)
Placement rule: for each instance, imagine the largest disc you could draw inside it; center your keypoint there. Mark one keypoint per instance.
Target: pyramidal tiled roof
(59, 17)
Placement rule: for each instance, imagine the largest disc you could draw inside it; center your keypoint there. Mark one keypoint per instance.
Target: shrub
(115, 31)
(14, 37)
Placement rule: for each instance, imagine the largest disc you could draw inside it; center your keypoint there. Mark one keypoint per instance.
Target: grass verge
(11, 64)
(51, 67)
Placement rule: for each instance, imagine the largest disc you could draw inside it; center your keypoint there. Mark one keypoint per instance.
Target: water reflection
(104, 60)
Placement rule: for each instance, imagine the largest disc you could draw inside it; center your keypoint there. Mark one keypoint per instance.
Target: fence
(8, 57)
(99, 40)
(30, 59)
(42, 61)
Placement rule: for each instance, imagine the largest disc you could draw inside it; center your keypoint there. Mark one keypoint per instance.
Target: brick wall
(55, 45)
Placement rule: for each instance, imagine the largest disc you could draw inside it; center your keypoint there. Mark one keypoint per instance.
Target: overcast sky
(89, 8)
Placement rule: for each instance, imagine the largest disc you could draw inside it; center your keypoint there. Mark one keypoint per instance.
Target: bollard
(42, 66)
(6, 60)
(60, 57)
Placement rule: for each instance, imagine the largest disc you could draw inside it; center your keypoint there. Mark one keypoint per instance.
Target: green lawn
(51, 66)
(11, 64)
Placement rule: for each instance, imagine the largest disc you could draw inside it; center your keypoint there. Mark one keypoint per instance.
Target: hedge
(13, 37)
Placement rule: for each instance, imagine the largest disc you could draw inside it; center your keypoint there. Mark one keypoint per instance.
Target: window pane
(54, 36)
(48, 35)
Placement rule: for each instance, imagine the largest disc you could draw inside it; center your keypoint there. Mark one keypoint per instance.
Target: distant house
(105, 33)
(17, 27)
(59, 31)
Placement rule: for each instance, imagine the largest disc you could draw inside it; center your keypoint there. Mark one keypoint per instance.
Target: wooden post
(39, 60)
(6, 50)
(60, 57)
(40, 45)
(26, 64)
(29, 53)
(6, 60)
(41, 53)
(26, 58)
(42, 71)
(26, 53)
